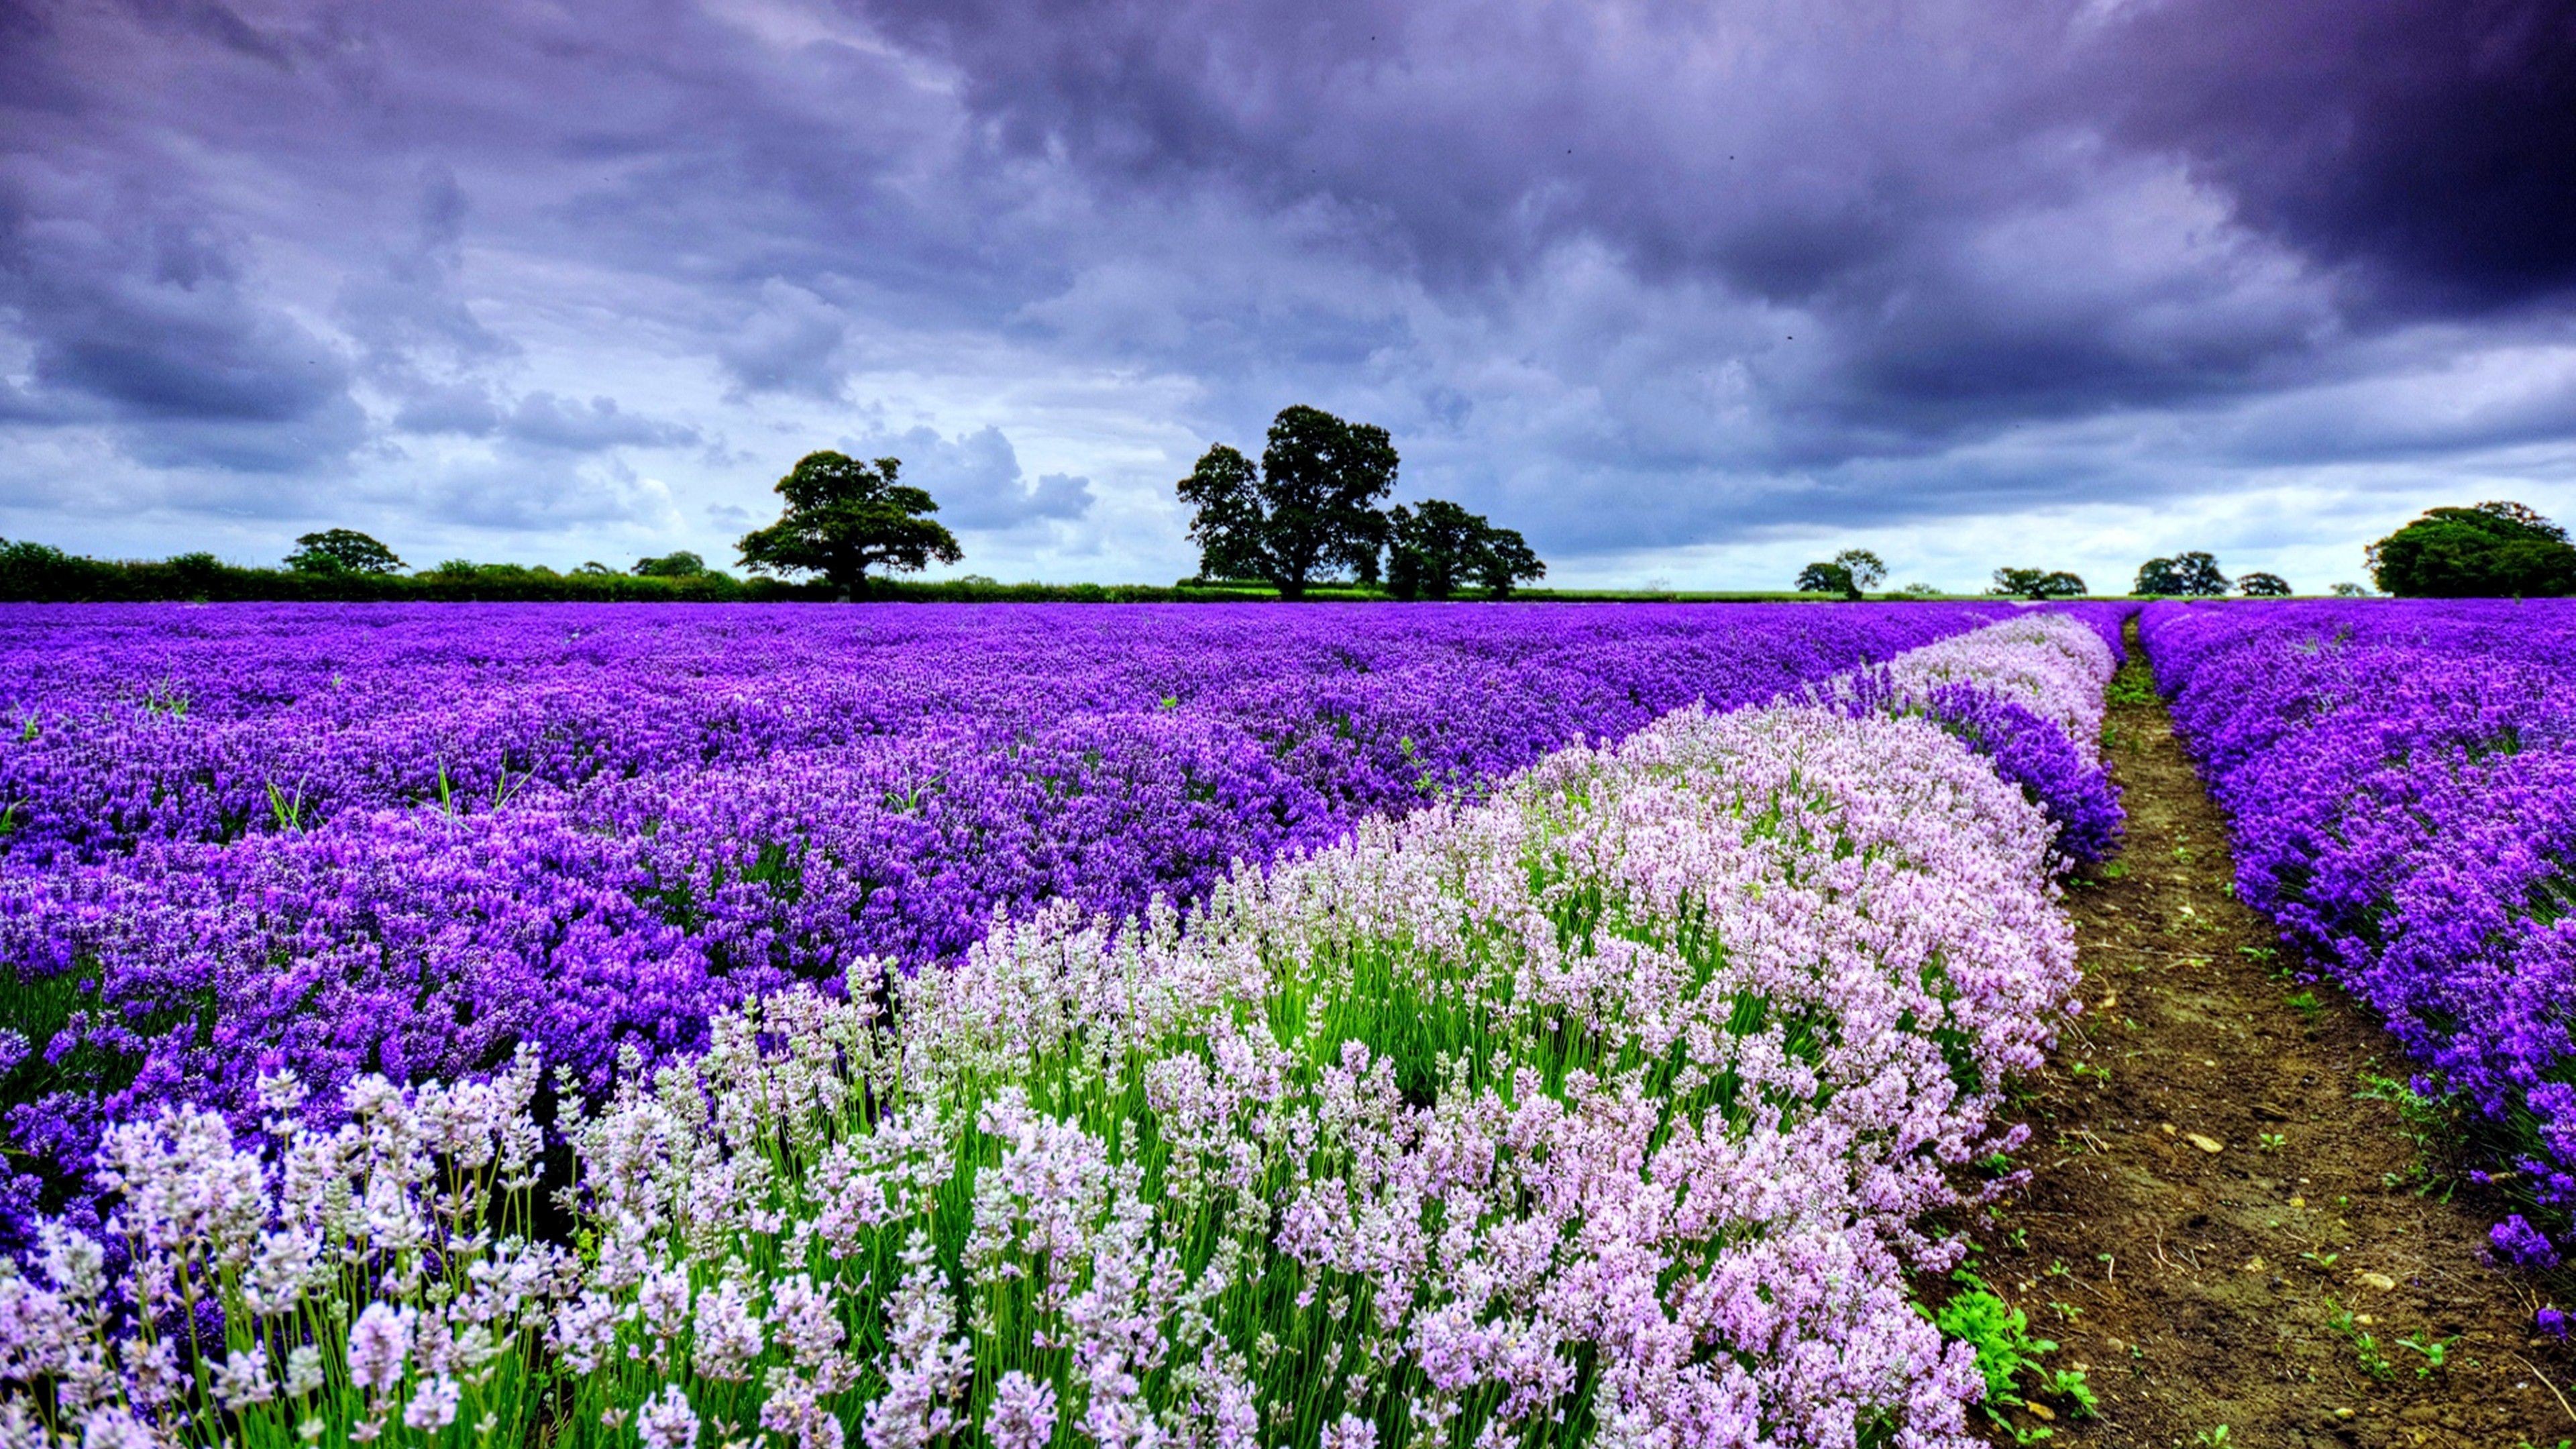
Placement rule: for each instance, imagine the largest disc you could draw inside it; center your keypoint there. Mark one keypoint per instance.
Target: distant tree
(1867, 570)
(680, 565)
(1918, 591)
(455, 568)
(1436, 548)
(1431, 547)
(342, 551)
(594, 566)
(1311, 507)
(2038, 584)
(197, 569)
(1827, 578)
(2184, 576)
(2493, 550)
(2349, 591)
(2260, 585)
(1505, 562)
(845, 517)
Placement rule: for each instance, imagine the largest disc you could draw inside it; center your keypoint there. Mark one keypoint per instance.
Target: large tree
(2184, 576)
(1505, 562)
(1828, 578)
(2038, 584)
(845, 517)
(1848, 573)
(1311, 507)
(1435, 548)
(2494, 550)
(341, 551)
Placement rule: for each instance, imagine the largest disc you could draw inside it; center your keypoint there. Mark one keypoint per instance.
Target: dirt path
(2215, 1184)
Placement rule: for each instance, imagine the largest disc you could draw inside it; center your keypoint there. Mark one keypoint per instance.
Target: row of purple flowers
(2401, 778)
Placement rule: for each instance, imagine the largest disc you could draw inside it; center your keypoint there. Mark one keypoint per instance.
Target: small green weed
(2365, 1344)
(2000, 1334)
(2427, 1120)
(288, 809)
(2436, 1351)
(2132, 685)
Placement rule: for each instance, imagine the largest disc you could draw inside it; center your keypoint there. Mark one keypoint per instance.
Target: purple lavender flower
(2401, 776)
(2518, 1243)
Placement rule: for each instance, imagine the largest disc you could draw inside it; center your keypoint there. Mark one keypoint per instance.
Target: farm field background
(1223, 1025)
(803, 950)
(405, 840)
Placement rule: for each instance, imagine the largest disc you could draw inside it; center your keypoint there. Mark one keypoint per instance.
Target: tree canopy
(1828, 578)
(2260, 585)
(1311, 506)
(2038, 584)
(1437, 547)
(2494, 550)
(845, 517)
(2192, 575)
(342, 551)
(680, 565)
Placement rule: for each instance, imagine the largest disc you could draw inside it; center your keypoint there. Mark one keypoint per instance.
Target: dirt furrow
(2239, 1225)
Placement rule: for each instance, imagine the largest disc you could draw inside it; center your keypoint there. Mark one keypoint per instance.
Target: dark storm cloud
(2430, 142)
(1966, 204)
(1639, 274)
(138, 315)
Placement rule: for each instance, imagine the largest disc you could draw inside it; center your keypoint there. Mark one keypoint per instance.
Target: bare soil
(2214, 1184)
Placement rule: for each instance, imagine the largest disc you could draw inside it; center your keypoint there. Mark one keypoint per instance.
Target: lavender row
(2402, 782)
(406, 841)
(1606, 1109)
(131, 725)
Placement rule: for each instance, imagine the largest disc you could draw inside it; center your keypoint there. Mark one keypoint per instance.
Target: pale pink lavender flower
(378, 1343)
(1023, 1413)
(666, 1421)
(727, 1335)
(433, 1403)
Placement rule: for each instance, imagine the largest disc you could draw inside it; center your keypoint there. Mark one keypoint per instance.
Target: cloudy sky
(1689, 292)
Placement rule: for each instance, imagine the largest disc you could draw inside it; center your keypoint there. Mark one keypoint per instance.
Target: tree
(2263, 586)
(1312, 506)
(1827, 578)
(845, 517)
(341, 551)
(680, 565)
(1436, 547)
(2038, 584)
(1506, 562)
(2349, 591)
(2493, 550)
(1432, 548)
(2184, 576)
(1867, 570)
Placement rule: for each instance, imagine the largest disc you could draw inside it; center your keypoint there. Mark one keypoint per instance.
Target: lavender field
(1027, 1026)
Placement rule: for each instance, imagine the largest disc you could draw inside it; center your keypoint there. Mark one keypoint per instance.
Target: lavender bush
(2402, 781)
(1601, 1108)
